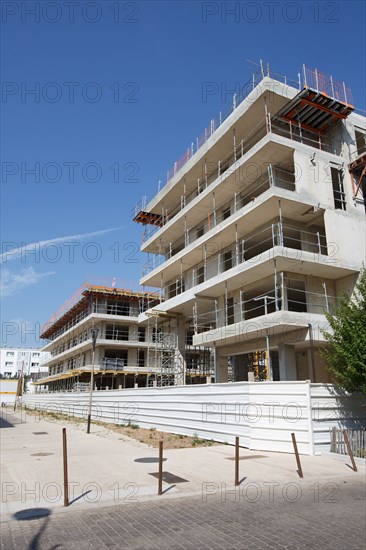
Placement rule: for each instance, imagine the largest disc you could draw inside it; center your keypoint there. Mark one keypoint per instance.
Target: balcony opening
(115, 307)
(199, 231)
(114, 359)
(338, 189)
(296, 296)
(141, 334)
(116, 332)
(226, 213)
(140, 358)
(292, 238)
(230, 311)
(227, 260)
(175, 248)
(200, 275)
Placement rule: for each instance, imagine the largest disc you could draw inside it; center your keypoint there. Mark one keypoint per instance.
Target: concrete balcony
(257, 268)
(274, 179)
(217, 256)
(239, 226)
(277, 325)
(261, 152)
(231, 176)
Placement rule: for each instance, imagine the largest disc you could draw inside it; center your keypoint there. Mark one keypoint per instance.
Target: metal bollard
(160, 477)
(349, 450)
(237, 482)
(66, 480)
(299, 468)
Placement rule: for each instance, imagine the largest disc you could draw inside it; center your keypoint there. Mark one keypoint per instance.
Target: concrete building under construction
(133, 346)
(258, 231)
(260, 228)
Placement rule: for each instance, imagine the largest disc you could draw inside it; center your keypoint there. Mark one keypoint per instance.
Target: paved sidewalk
(268, 523)
(106, 468)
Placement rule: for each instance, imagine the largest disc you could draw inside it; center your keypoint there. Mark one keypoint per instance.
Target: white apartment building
(30, 361)
(260, 228)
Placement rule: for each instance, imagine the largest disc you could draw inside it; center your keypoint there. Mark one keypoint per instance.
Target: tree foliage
(346, 354)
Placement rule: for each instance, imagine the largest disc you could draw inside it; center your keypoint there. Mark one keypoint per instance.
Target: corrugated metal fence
(262, 414)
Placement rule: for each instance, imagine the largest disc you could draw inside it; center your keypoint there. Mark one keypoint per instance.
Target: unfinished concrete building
(122, 358)
(260, 228)
(135, 346)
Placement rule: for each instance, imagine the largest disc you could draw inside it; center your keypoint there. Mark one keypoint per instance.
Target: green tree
(346, 354)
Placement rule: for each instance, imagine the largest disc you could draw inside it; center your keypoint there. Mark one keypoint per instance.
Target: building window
(7, 374)
(35, 365)
(360, 141)
(338, 189)
(9, 354)
(36, 354)
(141, 334)
(9, 364)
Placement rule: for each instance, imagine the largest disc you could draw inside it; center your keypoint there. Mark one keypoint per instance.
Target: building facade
(30, 361)
(260, 229)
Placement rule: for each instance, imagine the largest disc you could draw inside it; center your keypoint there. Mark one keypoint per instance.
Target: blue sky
(118, 98)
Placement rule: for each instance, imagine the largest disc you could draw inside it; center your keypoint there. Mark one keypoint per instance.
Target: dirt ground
(144, 435)
(152, 437)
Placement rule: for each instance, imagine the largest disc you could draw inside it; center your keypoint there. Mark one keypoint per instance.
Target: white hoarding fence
(262, 414)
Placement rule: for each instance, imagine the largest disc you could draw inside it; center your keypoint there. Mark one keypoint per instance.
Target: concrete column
(221, 374)
(287, 362)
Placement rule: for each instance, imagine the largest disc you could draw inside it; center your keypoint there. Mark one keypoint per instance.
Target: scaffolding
(162, 357)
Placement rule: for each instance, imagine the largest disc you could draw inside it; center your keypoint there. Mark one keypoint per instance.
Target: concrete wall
(262, 414)
(8, 390)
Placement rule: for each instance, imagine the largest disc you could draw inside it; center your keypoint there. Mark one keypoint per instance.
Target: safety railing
(122, 309)
(243, 144)
(113, 309)
(296, 133)
(251, 248)
(287, 297)
(325, 83)
(274, 177)
(215, 123)
(114, 363)
(310, 78)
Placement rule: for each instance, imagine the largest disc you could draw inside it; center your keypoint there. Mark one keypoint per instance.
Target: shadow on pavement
(35, 513)
(8, 420)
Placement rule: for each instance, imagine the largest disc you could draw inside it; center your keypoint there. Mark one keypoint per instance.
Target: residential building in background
(260, 228)
(30, 361)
